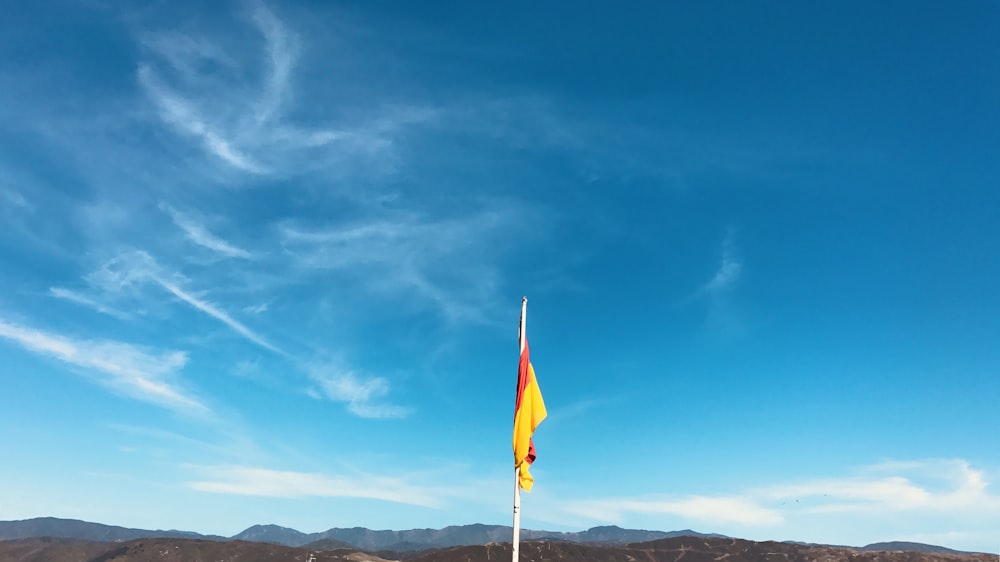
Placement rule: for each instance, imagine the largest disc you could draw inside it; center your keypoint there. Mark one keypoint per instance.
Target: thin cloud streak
(214, 312)
(718, 510)
(130, 269)
(256, 309)
(364, 397)
(73, 296)
(201, 236)
(127, 369)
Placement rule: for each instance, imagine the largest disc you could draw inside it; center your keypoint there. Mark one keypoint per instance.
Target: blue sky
(263, 263)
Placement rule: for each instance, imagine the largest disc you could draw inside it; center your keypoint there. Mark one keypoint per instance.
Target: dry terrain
(679, 549)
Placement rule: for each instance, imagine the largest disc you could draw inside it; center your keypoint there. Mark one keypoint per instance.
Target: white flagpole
(517, 480)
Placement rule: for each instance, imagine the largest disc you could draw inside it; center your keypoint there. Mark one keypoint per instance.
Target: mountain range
(361, 538)
(357, 537)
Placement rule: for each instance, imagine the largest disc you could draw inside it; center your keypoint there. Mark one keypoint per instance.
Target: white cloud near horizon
(255, 481)
(918, 489)
(929, 485)
(129, 370)
(717, 510)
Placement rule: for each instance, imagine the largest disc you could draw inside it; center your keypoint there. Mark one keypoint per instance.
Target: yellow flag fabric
(529, 411)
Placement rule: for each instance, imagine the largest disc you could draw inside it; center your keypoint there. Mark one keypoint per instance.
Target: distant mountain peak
(892, 546)
(274, 534)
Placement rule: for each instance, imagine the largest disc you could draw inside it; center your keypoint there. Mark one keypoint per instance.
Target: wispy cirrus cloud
(130, 274)
(187, 118)
(256, 481)
(129, 370)
(363, 396)
(13, 199)
(723, 313)
(201, 89)
(130, 270)
(730, 268)
(187, 55)
(448, 262)
(256, 308)
(197, 233)
(19, 212)
(282, 52)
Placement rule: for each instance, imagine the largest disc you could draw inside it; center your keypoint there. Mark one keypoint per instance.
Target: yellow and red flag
(529, 411)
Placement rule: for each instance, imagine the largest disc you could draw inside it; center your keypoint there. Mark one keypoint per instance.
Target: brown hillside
(166, 550)
(49, 550)
(686, 549)
(681, 549)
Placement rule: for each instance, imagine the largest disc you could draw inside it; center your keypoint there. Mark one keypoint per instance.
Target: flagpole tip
(524, 299)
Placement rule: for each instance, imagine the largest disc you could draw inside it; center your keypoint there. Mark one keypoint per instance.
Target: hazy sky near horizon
(262, 262)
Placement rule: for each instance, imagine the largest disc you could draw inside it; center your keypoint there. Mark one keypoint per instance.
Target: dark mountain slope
(274, 534)
(50, 550)
(75, 529)
(165, 550)
(910, 546)
(331, 544)
(466, 535)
